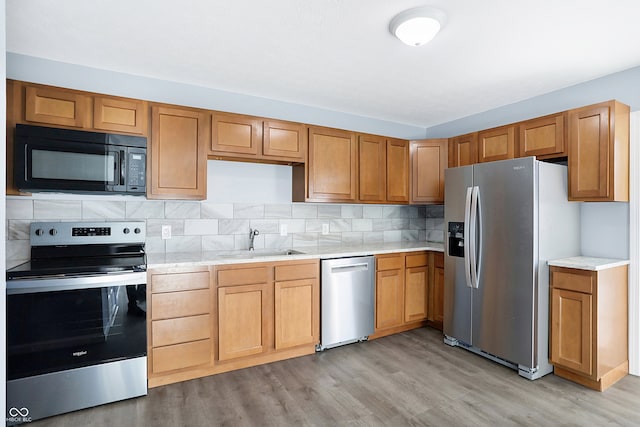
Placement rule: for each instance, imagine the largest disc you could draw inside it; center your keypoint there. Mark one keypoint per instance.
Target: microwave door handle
(122, 166)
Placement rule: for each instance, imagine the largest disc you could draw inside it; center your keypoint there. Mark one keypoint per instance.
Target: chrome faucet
(252, 234)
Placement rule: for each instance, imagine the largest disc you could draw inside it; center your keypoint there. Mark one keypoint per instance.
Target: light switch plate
(166, 232)
(283, 229)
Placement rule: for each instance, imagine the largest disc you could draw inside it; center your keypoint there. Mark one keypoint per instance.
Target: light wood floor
(405, 379)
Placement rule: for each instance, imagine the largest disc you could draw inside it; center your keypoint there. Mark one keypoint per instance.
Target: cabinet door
(296, 313)
(372, 172)
(463, 150)
(120, 115)
(389, 298)
(235, 134)
(284, 139)
(416, 294)
(428, 162)
(332, 165)
(497, 144)
(543, 137)
(571, 330)
(56, 107)
(178, 154)
(438, 295)
(242, 324)
(397, 171)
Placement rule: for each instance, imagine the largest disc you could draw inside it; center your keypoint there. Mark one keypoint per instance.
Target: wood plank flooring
(408, 379)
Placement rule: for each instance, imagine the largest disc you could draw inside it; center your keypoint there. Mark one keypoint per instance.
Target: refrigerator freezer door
(457, 292)
(504, 301)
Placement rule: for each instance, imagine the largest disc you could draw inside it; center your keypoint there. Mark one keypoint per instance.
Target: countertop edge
(588, 263)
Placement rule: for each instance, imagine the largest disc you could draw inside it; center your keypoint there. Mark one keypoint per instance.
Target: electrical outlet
(283, 229)
(325, 229)
(166, 232)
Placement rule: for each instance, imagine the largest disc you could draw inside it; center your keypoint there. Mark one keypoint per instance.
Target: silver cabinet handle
(350, 268)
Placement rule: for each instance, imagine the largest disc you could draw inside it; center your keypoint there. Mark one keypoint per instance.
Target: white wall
(604, 230)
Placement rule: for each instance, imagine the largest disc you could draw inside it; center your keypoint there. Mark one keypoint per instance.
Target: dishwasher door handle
(350, 268)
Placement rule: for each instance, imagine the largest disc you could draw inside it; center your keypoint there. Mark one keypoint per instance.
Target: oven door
(56, 165)
(57, 324)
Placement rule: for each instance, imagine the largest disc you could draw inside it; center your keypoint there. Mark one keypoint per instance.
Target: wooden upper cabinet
(235, 134)
(428, 162)
(372, 171)
(463, 150)
(397, 171)
(544, 137)
(178, 161)
(284, 140)
(599, 152)
(332, 165)
(120, 115)
(55, 106)
(497, 143)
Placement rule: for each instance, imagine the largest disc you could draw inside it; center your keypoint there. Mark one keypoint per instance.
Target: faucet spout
(252, 234)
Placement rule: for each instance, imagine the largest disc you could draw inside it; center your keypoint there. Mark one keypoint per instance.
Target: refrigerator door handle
(476, 232)
(467, 245)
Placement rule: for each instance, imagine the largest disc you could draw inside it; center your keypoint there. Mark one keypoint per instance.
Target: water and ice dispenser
(456, 239)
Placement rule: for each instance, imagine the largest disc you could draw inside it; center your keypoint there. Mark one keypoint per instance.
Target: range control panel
(82, 233)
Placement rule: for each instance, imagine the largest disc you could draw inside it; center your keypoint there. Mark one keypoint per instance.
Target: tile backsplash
(208, 226)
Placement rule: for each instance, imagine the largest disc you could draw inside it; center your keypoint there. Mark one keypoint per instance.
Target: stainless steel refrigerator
(504, 220)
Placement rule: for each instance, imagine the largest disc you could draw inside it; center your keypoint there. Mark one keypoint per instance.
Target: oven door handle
(51, 284)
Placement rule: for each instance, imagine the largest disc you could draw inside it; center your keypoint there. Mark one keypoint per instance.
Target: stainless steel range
(76, 320)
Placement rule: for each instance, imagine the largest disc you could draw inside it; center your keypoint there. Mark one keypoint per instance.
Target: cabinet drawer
(179, 281)
(572, 281)
(179, 304)
(296, 271)
(181, 356)
(182, 329)
(416, 260)
(390, 263)
(243, 276)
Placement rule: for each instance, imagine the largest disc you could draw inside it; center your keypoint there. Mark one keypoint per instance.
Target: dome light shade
(418, 26)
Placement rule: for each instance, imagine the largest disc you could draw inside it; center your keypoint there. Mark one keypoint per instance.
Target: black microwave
(74, 161)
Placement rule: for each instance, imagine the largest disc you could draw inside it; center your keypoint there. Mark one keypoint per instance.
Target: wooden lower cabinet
(589, 343)
(405, 295)
(436, 307)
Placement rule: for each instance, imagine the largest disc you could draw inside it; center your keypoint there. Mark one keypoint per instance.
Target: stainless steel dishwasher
(347, 300)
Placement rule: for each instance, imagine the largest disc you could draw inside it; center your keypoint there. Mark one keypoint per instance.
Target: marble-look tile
(234, 226)
(183, 244)
(409, 235)
(331, 239)
(362, 224)
(372, 212)
(145, 209)
(304, 211)
(218, 243)
(181, 210)
(265, 226)
(276, 241)
(435, 211)
(412, 211)
(245, 210)
(57, 209)
(390, 224)
(277, 211)
(395, 212)
(435, 236)
(352, 238)
(242, 242)
(107, 209)
(19, 209)
(201, 227)
(154, 227)
(154, 245)
(351, 211)
(305, 239)
(18, 229)
(216, 210)
(329, 211)
(339, 225)
(392, 236)
(315, 225)
(422, 211)
(294, 225)
(17, 250)
(372, 237)
(418, 223)
(438, 224)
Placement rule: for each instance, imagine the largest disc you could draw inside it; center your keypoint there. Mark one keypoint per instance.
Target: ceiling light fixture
(417, 26)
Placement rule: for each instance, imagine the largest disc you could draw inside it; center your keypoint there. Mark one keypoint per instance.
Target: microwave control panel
(136, 171)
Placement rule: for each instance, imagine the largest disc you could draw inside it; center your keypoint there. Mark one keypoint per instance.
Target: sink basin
(260, 253)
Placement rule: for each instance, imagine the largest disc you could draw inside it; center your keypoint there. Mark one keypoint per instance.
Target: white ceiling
(339, 54)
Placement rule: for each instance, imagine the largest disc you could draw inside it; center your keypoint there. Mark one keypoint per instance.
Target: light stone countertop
(185, 259)
(587, 263)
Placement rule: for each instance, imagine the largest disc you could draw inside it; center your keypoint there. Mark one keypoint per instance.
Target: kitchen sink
(260, 253)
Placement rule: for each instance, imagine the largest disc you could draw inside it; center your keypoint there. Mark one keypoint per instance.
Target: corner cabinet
(589, 343)
(599, 152)
(428, 162)
(177, 153)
